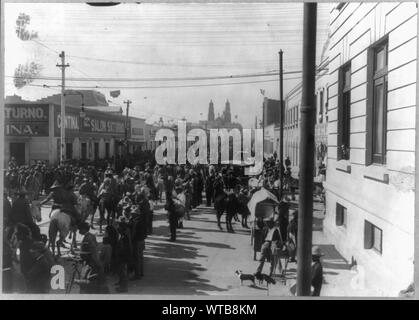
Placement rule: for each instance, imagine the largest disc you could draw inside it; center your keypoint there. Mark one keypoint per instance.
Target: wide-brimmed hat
(316, 252)
(56, 184)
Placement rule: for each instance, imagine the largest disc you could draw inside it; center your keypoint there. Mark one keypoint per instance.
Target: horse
(36, 210)
(226, 202)
(243, 198)
(86, 207)
(107, 203)
(61, 222)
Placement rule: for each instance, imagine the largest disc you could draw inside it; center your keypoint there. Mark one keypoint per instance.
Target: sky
(151, 43)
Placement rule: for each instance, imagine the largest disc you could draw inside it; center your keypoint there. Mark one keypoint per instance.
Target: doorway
(17, 150)
(96, 150)
(84, 150)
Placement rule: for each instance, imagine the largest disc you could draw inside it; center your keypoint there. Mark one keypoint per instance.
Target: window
(107, 150)
(344, 112)
(69, 150)
(340, 5)
(373, 237)
(340, 215)
(321, 106)
(298, 116)
(377, 103)
(327, 104)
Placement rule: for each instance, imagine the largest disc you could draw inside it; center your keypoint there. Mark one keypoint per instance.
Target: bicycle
(76, 262)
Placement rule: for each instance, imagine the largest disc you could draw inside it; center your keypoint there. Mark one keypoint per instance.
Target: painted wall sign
(93, 122)
(26, 120)
(137, 130)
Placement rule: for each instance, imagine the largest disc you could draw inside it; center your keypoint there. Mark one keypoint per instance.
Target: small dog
(243, 277)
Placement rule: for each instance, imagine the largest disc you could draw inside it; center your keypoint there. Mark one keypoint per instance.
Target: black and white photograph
(229, 150)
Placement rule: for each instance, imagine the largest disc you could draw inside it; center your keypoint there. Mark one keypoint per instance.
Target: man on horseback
(109, 186)
(64, 199)
(87, 188)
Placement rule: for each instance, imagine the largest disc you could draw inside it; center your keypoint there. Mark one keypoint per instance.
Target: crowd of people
(134, 192)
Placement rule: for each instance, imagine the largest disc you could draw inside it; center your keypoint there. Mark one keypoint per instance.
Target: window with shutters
(341, 215)
(373, 237)
(344, 112)
(377, 103)
(321, 102)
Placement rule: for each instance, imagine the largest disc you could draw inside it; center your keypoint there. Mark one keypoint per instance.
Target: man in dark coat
(172, 215)
(138, 225)
(123, 254)
(284, 207)
(7, 210)
(38, 276)
(21, 214)
(316, 271)
(209, 187)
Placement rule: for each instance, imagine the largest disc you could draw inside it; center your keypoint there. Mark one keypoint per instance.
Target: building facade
(292, 104)
(32, 133)
(371, 140)
(136, 139)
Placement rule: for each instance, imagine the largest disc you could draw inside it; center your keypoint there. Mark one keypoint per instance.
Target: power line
(266, 74)
(169, 86)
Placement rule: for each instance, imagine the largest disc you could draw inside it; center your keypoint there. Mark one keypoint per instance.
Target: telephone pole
(305, 205)
(281, 128)
(128, 102)
(63, 65)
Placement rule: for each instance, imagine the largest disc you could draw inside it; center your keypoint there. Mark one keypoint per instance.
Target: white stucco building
(371, 140)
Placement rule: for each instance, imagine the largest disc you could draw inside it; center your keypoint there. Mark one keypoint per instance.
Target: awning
(262, 205)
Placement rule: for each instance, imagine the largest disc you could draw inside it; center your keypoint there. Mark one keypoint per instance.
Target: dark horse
(243, 198)
(226, 202)
(107, 203)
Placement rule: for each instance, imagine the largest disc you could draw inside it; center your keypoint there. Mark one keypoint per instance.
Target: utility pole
(305, 217)
(128, 102)
(63, 65)
(281, 128)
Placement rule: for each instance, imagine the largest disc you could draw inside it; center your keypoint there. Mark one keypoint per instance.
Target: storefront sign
(93, 122)
(137, 130)
(26, 120)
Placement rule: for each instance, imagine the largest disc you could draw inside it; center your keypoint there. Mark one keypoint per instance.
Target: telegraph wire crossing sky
(199, 45)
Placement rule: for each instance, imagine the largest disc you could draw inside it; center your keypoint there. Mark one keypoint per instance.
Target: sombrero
(55, 185)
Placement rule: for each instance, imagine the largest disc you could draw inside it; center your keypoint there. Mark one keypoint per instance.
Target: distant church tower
(227, 113)
(211, 116)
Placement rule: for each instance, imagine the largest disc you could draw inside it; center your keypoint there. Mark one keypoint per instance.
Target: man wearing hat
(64, 199)
(93, 279)
(21, 213)
(271, 240)
(316, 271)
(123, 253)
(88, 188)
(89, 245)
(138, 224)
(209, 186)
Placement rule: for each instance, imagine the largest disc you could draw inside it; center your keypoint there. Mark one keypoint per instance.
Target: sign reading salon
(93, 122)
